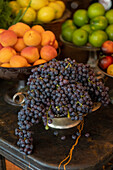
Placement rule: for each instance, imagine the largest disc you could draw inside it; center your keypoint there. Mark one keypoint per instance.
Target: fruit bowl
(108, 81)
(87, 47)
(20, 73)
(17, 76)
(66, 123)
(55, 25)
(90, 52)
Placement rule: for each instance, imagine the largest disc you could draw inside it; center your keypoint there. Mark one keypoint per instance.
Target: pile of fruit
(58, 89)
(91, 27)
(40, 11)
(22, 46)
(106, 60)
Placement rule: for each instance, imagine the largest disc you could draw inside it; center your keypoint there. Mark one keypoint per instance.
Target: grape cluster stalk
(58, 89)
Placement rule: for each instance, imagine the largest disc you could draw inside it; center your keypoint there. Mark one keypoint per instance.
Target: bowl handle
(19, 98)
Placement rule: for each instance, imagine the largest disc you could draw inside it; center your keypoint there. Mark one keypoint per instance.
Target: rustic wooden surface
(91, 153)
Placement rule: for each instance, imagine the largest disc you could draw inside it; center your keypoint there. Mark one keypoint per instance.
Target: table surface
(49, 150)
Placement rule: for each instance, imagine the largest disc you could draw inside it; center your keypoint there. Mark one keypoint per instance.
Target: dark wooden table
(91, 152)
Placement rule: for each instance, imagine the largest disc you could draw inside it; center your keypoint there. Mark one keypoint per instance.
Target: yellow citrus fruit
(58, 9)
(46, 14)
(37, 4)
(110, 70)
(23, 3)
(62, 4)
(29, 16)
(14, 6)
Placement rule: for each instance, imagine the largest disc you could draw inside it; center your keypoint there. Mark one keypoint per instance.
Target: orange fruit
(20, 45)
(8, 38)
(32, 38)
(5, 65)
(48, 52)
(18, 61)
(31, 54)
(38, 28)
(110, 70)
(40, 61)
(6, 53)
(20, 28)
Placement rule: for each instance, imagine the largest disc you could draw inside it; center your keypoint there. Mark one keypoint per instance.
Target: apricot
(31, 54)
(8, 38)
(5, 65)
(32, 38)
(18, 61)
(48, 52)
(29, 65)
(2, 30)
(48, 38)
(38, 28)
(55, 45)
(6, 53)
(20, 45)
(19, 28)
(1, 46)
(40, 61)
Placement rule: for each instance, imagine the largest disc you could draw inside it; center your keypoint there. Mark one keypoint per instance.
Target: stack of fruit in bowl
(41, 11)
(91, 27)
(106, 58)
(22, 46)
(58, 89)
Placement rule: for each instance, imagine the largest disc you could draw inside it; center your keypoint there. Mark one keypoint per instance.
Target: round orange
(110, 70)
(32, 38)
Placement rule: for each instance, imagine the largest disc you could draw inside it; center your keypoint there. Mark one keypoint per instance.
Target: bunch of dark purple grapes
(58, 89)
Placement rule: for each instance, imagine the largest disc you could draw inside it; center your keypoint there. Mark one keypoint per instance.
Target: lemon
(37, 4)
(29, 16)
(23, 3)
(58, 9)
(14, 6)
(46, 14)
(62, 4)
